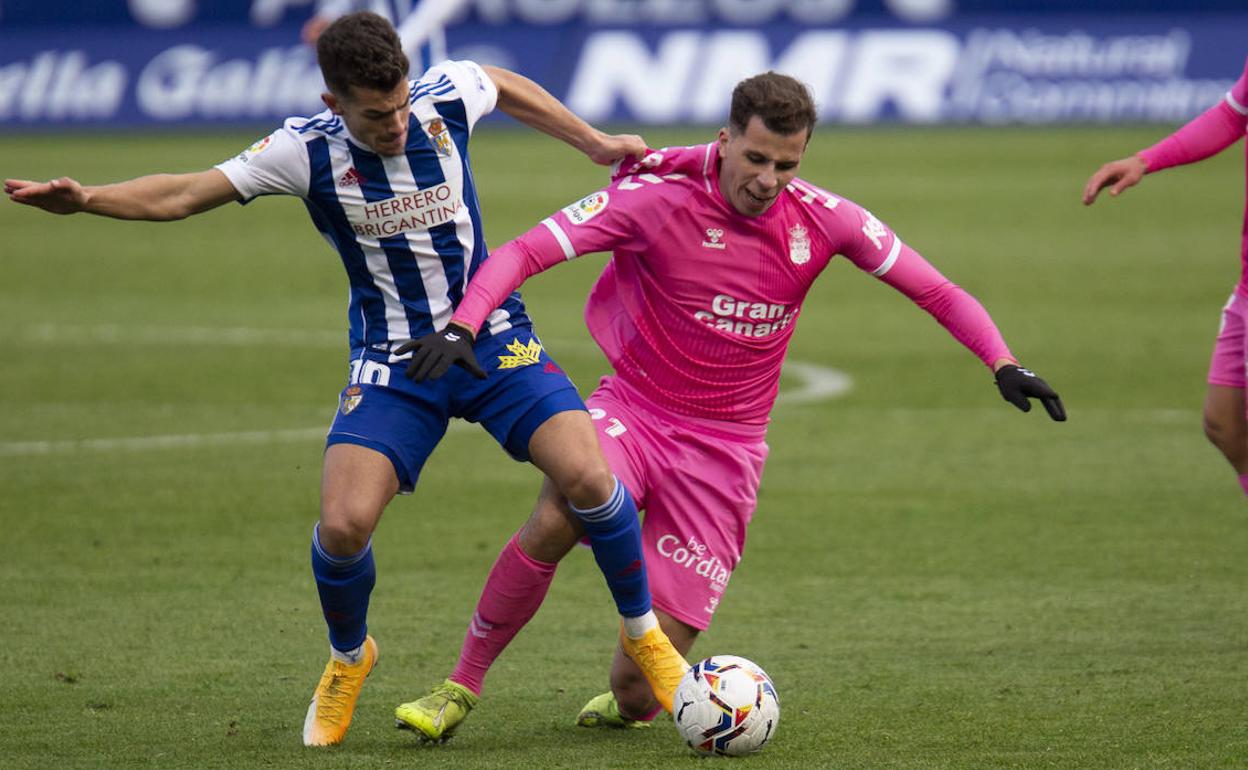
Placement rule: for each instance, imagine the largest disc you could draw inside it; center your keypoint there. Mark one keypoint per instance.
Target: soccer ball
(726, 705)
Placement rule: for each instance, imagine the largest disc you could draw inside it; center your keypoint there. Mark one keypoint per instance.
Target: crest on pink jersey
(799, 245)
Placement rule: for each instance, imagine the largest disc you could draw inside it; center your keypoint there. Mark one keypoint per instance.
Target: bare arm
(157, 198)
(533, 106)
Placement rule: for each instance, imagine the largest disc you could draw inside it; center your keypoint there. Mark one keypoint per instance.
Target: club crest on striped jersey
(799, 245)
(522, 354)
(439, 137)
(587, 208)
(351, 398)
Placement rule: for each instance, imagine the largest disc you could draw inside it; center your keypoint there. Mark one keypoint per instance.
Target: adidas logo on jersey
(350, 179)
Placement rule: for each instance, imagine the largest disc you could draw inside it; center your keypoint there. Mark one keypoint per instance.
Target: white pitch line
(145, 443)
(118, 334)
(234, 336)
(818, 383)
(174, 441)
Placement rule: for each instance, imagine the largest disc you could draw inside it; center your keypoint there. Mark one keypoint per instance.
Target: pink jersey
(1211, 132)
(698, 304)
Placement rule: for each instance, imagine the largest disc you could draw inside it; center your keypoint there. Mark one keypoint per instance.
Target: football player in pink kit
(714, 249)
(1213, 131)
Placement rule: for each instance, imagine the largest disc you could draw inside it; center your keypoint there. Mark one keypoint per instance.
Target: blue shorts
(382, 409)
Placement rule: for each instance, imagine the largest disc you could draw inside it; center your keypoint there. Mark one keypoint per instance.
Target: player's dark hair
(361, 49)
(784, 104)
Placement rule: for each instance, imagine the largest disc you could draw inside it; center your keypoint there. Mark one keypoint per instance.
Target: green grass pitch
(933, 579)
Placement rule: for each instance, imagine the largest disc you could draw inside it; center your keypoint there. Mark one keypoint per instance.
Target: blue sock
(615, 535)
(344, 583)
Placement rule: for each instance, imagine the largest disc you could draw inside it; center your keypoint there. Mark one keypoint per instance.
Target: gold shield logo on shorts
(350, 399)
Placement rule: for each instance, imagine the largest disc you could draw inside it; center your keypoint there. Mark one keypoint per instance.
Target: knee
(1223, 433)
(588, 484)
(551, 531)
(344, 529)
(1230, 439)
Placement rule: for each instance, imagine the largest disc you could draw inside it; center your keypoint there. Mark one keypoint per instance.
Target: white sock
(638, 626)
(350, 657)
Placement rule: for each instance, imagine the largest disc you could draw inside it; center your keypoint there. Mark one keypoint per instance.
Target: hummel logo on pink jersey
(714, 237)
(351, 178)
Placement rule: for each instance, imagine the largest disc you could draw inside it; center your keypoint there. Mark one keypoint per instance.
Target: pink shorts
(1229, 358)
(696, 480)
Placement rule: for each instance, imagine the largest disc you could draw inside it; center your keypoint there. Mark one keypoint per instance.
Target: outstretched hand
(1017, 385)
(1118, 175)
(435, 353)
(59, 196)
(610, 148)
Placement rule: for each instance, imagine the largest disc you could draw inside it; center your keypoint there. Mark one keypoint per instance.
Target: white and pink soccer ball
(726, 705)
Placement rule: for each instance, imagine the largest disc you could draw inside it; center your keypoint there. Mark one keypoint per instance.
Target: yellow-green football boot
(435, 717)
(604, 711)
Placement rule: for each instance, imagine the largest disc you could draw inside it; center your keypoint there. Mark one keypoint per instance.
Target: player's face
(376, 118)
(756, 164)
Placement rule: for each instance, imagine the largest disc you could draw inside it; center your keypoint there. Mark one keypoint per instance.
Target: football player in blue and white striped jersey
(384, 174)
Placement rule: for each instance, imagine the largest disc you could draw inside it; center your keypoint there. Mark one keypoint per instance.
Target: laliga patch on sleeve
(586, 208)
(256, 149)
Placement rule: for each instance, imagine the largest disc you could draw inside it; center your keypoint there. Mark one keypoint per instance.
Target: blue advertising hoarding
(125, 63)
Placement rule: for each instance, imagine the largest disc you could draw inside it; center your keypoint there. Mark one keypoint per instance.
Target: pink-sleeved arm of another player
(600, 221)
(954, 308)
(1208, 134)
(509, 266)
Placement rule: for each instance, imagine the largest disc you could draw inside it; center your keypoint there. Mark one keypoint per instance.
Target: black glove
(1017, 383)
(433, 354)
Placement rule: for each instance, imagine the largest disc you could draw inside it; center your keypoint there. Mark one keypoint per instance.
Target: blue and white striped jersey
(408, 228)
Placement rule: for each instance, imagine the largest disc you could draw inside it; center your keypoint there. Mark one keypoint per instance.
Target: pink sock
(513, 592)
(1243, 482)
